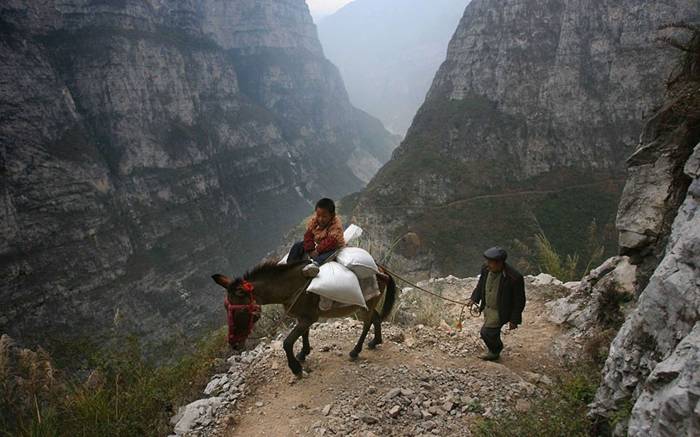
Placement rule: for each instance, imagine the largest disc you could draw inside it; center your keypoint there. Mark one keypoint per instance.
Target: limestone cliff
(650, 382)
(145, 145)
(526, 129)
(651, 376)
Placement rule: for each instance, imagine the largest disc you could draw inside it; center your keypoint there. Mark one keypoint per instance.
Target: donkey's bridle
(253, 310)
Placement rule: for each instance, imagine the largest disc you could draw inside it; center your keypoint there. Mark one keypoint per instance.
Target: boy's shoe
(311, 270)
(490, 356)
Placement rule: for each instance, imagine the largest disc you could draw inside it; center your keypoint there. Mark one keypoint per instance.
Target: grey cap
(496, 253)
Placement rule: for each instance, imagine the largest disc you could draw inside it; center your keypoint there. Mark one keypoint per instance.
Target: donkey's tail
(389, 297)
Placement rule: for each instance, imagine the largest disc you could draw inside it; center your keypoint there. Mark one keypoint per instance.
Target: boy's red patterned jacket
(323, 239)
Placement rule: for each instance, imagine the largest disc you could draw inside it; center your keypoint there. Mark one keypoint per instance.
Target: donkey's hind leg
(355, 352)
(377, 322)
(306, 346)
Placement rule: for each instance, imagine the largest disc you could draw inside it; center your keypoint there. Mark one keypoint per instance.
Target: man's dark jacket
(511, 294)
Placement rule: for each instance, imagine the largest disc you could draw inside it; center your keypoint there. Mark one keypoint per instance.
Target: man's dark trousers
(492, 338)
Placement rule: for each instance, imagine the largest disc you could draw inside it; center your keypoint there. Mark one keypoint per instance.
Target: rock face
(653, 361)
(656, 187)
(526, 128)
(671, 407)
(146, 145)
(388, 66)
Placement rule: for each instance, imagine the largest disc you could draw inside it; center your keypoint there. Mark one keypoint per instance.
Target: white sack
(338, 283)
(358, 260)
(353, 232)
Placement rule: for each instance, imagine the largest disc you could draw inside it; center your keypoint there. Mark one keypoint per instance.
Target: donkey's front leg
(288, 345)
(306, 346)
(355, 352)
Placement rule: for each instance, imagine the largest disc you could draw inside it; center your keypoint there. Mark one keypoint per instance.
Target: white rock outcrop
(223, 391)
(585, 306)
(653, 359)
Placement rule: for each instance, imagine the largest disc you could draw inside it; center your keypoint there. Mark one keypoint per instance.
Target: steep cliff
(651, 375)
(525, 129)
(146, 145)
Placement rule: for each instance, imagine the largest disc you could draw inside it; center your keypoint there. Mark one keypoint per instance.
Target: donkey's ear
(222, 280)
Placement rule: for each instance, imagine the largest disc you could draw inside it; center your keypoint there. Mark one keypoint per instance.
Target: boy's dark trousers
(297, 253)
(492, 338)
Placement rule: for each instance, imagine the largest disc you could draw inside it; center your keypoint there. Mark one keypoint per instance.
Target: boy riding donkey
(323, 238)
(273, 283)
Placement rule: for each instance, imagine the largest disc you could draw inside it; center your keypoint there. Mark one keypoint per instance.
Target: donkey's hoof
(301, 357)
(296, 378)
(354, 355)
(373, 344)
(296, 369)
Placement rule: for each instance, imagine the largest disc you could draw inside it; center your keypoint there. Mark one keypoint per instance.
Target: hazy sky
(321, 8)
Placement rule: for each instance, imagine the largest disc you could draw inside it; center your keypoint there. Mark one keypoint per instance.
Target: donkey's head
(241, 309)
(268, 282)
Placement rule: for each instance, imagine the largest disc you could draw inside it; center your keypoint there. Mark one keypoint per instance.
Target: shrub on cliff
(122, 393)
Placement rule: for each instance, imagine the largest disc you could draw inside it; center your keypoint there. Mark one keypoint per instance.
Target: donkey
(270, 283)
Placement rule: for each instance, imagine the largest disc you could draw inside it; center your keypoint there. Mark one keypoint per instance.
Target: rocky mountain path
(421, 381)
(504, 195)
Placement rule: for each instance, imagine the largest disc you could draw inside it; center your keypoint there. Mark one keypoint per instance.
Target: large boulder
(597, 299)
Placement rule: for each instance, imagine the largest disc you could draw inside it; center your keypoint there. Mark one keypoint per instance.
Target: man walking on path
(500, 295)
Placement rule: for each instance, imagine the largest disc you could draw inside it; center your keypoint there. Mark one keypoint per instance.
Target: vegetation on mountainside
(458, 233)
(120, 393)
(454, 233)
(546, 259)
(430, 148)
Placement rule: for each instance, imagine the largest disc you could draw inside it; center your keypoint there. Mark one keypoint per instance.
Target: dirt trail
(422, 380)
(503, 195)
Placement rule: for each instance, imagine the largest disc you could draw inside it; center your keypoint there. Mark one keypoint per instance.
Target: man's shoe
(311, 270)
(490, 356)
